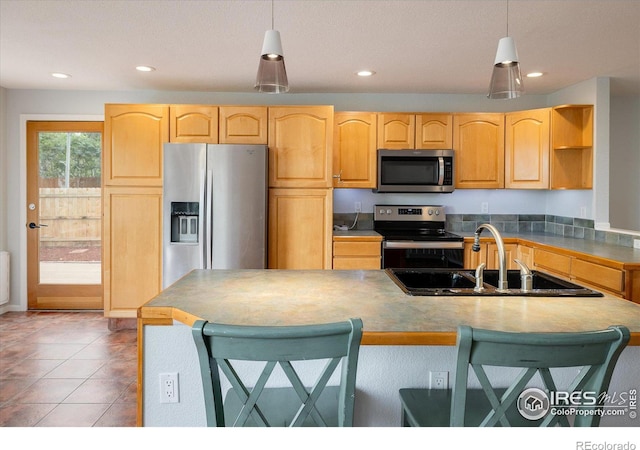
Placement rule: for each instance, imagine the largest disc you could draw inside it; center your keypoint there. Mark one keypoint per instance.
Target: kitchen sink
(447, 282)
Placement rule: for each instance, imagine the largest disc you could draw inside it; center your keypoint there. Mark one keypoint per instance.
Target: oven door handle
(422, 244)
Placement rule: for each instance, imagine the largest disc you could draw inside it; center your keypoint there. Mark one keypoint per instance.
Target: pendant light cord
(507, 17)
(272, 15)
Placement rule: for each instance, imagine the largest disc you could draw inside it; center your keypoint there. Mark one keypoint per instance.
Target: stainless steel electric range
(415, 236)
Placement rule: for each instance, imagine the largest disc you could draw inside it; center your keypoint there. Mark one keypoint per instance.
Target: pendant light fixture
(272, 76)
(506, 81)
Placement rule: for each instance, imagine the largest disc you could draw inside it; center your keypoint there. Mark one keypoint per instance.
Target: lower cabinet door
(132, 249)
(300, 233)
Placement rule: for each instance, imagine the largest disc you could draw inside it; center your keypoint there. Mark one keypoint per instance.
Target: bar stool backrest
(594, 352)
(220, 346)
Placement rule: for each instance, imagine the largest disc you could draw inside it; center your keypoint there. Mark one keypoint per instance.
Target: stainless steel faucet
(502, 275)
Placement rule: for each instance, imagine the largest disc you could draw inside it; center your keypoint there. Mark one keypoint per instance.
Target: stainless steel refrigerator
(214, 207)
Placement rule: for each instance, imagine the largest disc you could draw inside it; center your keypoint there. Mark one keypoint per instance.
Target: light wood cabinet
(527, 149)
(478, 140)
(474, 259)
(552, 262)
(572, 147)
(584, 270)
(193, 123)
(396, 131)
(434, 131)
(300, 146)
(243, 125)
(493, 258)
(415, 131)
(132, 248)
(357, 253)
(300, 228)
(133, 140)
(132, 206)
(354, 150)
(525, 254)
(488, 254)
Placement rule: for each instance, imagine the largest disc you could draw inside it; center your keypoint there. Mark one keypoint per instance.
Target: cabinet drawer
(356, 263)
(356, 249)
(552, 261)
(598, 275)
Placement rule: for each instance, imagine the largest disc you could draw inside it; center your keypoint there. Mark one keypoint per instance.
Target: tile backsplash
(510, 223)
(537, 223)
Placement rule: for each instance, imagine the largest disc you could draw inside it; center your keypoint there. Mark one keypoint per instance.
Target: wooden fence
(73, 217)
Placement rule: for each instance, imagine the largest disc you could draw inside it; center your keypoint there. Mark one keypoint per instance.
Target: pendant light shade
(506, 80)
(272, 76)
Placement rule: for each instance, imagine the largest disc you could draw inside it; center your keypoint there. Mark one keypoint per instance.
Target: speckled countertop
(390, 317)
(599, 249)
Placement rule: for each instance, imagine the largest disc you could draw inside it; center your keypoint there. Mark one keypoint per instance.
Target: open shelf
(572, 147)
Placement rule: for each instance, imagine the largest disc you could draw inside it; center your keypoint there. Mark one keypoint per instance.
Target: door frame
(21, 260)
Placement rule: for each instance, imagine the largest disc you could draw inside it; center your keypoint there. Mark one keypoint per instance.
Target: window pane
(70, 207)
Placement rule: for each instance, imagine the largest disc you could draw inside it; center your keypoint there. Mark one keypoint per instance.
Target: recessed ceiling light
(365, 73)
(60, 75)
(534, 74)
(145, 68)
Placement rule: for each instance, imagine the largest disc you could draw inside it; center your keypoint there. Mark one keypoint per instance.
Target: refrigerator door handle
(202, 220)
(209, 220)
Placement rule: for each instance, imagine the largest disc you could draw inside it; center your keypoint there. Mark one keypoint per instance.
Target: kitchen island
(404, 337)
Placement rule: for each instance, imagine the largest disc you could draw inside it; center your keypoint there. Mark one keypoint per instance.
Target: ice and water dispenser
(184, 222)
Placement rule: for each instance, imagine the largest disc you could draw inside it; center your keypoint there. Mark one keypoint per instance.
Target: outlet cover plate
(169, 388)
(438, 380)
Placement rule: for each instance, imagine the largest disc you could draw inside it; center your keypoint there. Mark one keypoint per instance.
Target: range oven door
(422, 254)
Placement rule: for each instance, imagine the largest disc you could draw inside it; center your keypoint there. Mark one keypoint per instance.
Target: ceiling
(427, 46)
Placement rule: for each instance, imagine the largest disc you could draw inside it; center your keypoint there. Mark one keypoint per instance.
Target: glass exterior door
(64, 215)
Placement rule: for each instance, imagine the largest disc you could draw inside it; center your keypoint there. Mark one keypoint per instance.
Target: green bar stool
(593, 353)
(220, 348)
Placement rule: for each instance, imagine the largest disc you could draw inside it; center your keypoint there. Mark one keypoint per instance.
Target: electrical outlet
(484, 207)
(636, 243)
(358, 207)
(169, 388)
(438, 380)
(583, 212)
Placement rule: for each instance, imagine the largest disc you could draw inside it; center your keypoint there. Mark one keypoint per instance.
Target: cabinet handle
(339, 176)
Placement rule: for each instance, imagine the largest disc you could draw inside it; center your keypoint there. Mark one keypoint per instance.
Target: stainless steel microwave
(415, 171)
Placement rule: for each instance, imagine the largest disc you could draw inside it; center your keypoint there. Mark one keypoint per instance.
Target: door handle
(33, 225)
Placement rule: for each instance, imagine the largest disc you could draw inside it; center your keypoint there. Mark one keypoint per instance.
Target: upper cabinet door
(194, 123)
(133, 139)
(434, 131)
(478, 141)
(527, 149)
(354, 150)
(243, 125)
(300, 146)
(396, 131)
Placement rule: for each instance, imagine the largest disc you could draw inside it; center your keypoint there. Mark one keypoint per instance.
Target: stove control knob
(437, 212)
(431, 212)
(381, 211)
(389, 211)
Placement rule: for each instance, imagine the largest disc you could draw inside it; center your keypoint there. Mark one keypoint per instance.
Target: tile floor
(66, 369)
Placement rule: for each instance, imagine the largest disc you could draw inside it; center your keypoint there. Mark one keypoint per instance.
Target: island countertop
(390, 317)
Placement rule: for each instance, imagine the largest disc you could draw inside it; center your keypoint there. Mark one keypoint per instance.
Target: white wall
(624, 194)
(3, 170)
